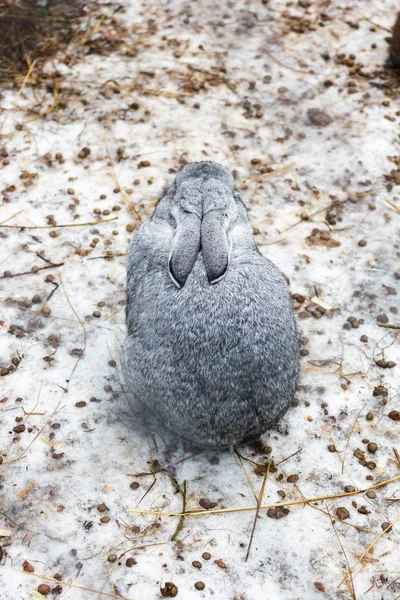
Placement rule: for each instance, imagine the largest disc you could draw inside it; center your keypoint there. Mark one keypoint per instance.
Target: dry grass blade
(341, 460)
(82, 325)
(140, 548)
(241, 458)
(32, 412)
(262, 176)
(72, 585)
(390, 205)
(397, 455)
(349, 437)
(259, 501)
(12, 217)
(378, 537)
(264, 506)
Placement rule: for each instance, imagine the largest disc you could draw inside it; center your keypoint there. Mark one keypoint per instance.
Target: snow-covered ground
(298, 102)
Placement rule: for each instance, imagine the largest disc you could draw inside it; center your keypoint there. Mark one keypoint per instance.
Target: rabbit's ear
(185, 248)
(214, 242)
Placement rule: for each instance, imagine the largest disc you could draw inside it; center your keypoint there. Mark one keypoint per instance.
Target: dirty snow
(188, 81)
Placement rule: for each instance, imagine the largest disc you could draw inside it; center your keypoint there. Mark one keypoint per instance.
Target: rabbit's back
(216, 363)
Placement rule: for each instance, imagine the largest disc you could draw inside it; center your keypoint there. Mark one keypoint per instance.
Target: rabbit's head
(202, 207)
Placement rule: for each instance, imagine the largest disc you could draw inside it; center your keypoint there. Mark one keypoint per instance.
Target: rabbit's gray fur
(212, 345)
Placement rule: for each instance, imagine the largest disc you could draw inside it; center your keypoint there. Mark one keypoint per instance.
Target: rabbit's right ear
(214, 242)
(185, 248)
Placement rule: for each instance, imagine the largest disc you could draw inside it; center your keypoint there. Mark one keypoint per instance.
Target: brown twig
(397, 455)
(290, 456)
(56, 286)
(58, 226)
(106, 256)
(51, 266)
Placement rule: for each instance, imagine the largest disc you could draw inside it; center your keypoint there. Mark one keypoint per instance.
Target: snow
(49, 503)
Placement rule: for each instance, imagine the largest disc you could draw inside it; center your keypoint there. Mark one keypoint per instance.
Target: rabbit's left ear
(185, 248)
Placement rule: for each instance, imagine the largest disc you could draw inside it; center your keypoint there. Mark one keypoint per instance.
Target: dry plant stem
(349, 574)
(342, 462)
(53, 265)
(378, 537)
(128, 204)
(388, 325)
(184, 497)
(259, 501)
(57, 226)
(278, 170)
(180, 524)
(32, 412)
(140, 548)
(83, 327)
(106, 257)
(290, 456)
(274, 505)
(109, 573)
(283, 64)
(72, 585)
(317, 212)
(397, 455)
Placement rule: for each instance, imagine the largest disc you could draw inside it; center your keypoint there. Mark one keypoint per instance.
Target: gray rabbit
(211, 345)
